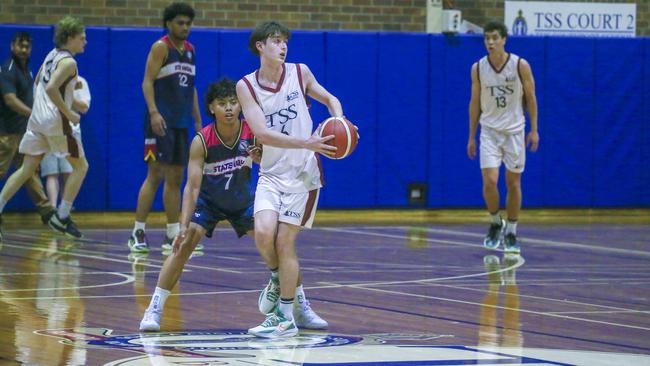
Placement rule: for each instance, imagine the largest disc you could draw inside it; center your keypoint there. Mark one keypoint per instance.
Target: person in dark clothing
(16, 87)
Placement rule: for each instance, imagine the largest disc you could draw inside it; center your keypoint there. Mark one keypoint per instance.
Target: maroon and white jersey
(501, 95)
(285, 109)
(46, 117)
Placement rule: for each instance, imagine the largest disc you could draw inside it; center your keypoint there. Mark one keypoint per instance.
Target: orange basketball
(345, 136)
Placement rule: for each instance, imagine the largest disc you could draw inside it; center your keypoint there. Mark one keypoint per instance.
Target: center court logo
(236, 347)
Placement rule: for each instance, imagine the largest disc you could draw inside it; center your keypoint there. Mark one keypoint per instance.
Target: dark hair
(498, 26)
(21, 36)
(223, 88)
(264, 31)
(176, 9)
(67, 28)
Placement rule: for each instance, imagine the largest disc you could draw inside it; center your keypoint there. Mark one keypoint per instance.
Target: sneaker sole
(63, 232)
(149, 329)
(286, 334)
(313, 327)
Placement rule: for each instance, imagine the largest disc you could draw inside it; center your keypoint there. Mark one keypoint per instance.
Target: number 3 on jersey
(501, 101)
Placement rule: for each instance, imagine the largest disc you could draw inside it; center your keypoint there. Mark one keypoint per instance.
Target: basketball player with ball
(273, 99)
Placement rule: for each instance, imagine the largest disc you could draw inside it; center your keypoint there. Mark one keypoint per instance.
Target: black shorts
(172, 149)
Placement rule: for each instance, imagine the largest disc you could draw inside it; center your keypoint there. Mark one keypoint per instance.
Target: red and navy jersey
(174, 85)
(226, 183)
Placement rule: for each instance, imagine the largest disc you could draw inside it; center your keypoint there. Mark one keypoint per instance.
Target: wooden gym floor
(397, 288)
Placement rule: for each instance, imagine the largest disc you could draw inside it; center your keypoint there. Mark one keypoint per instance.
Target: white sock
(275, 274)
(173, 230)
(138, 225)
(64, 209)
(511, 227)
(286, 308)
(3, 203)
(158, 299)
(300, 295)
(495, 218)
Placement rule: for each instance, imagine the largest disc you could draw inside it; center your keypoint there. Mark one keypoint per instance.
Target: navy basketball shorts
(172, 149)
(207, 216)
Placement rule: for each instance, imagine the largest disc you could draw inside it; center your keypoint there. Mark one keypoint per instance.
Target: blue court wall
(409, 95)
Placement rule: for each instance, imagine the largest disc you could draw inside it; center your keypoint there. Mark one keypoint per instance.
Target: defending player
(500, 82)
(218, 188)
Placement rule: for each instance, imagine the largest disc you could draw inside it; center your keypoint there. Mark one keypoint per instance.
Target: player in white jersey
(501, 82)
(49, 127)
(273, 99)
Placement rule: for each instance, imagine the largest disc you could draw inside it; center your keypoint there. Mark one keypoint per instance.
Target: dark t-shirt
(15, 79)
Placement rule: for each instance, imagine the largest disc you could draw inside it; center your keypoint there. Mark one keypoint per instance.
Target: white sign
(570, 19)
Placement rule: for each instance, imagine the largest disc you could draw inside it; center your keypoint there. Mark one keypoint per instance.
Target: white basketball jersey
(46, 117)
(501, 96)
(285, 109)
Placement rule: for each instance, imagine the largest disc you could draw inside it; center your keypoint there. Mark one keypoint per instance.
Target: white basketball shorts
(36, 143)
(293, 208)
(497, 147)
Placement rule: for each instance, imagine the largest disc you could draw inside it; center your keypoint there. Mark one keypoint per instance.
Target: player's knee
(174, 178)
(285, 249)
(188, 245)
(490, 182)
(514, 184)
(83, 165)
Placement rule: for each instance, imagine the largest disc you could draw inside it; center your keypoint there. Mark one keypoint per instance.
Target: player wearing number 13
(500, 82)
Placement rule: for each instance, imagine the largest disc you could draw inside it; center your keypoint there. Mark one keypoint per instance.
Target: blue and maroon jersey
(226, 183)
(174, 86)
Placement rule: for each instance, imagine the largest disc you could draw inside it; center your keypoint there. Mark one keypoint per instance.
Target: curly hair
(176, 9)
(67, 28)
(264, 31)
(224, 88)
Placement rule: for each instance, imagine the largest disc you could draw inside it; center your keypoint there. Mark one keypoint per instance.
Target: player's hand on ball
(318, 144)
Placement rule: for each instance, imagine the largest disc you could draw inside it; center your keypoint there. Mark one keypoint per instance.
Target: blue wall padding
(619, 103)
(435, 146)
(351, 74)
(461, 185)
(645, 130)
(409, 94)
(402, 117)
(568, 134)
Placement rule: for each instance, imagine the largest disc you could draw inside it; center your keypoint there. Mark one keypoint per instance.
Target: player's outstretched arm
(528, 82)
(155, 59)
(318, 92)
(193, 184)
(265, 136)
(65, 69)
(474, 112)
